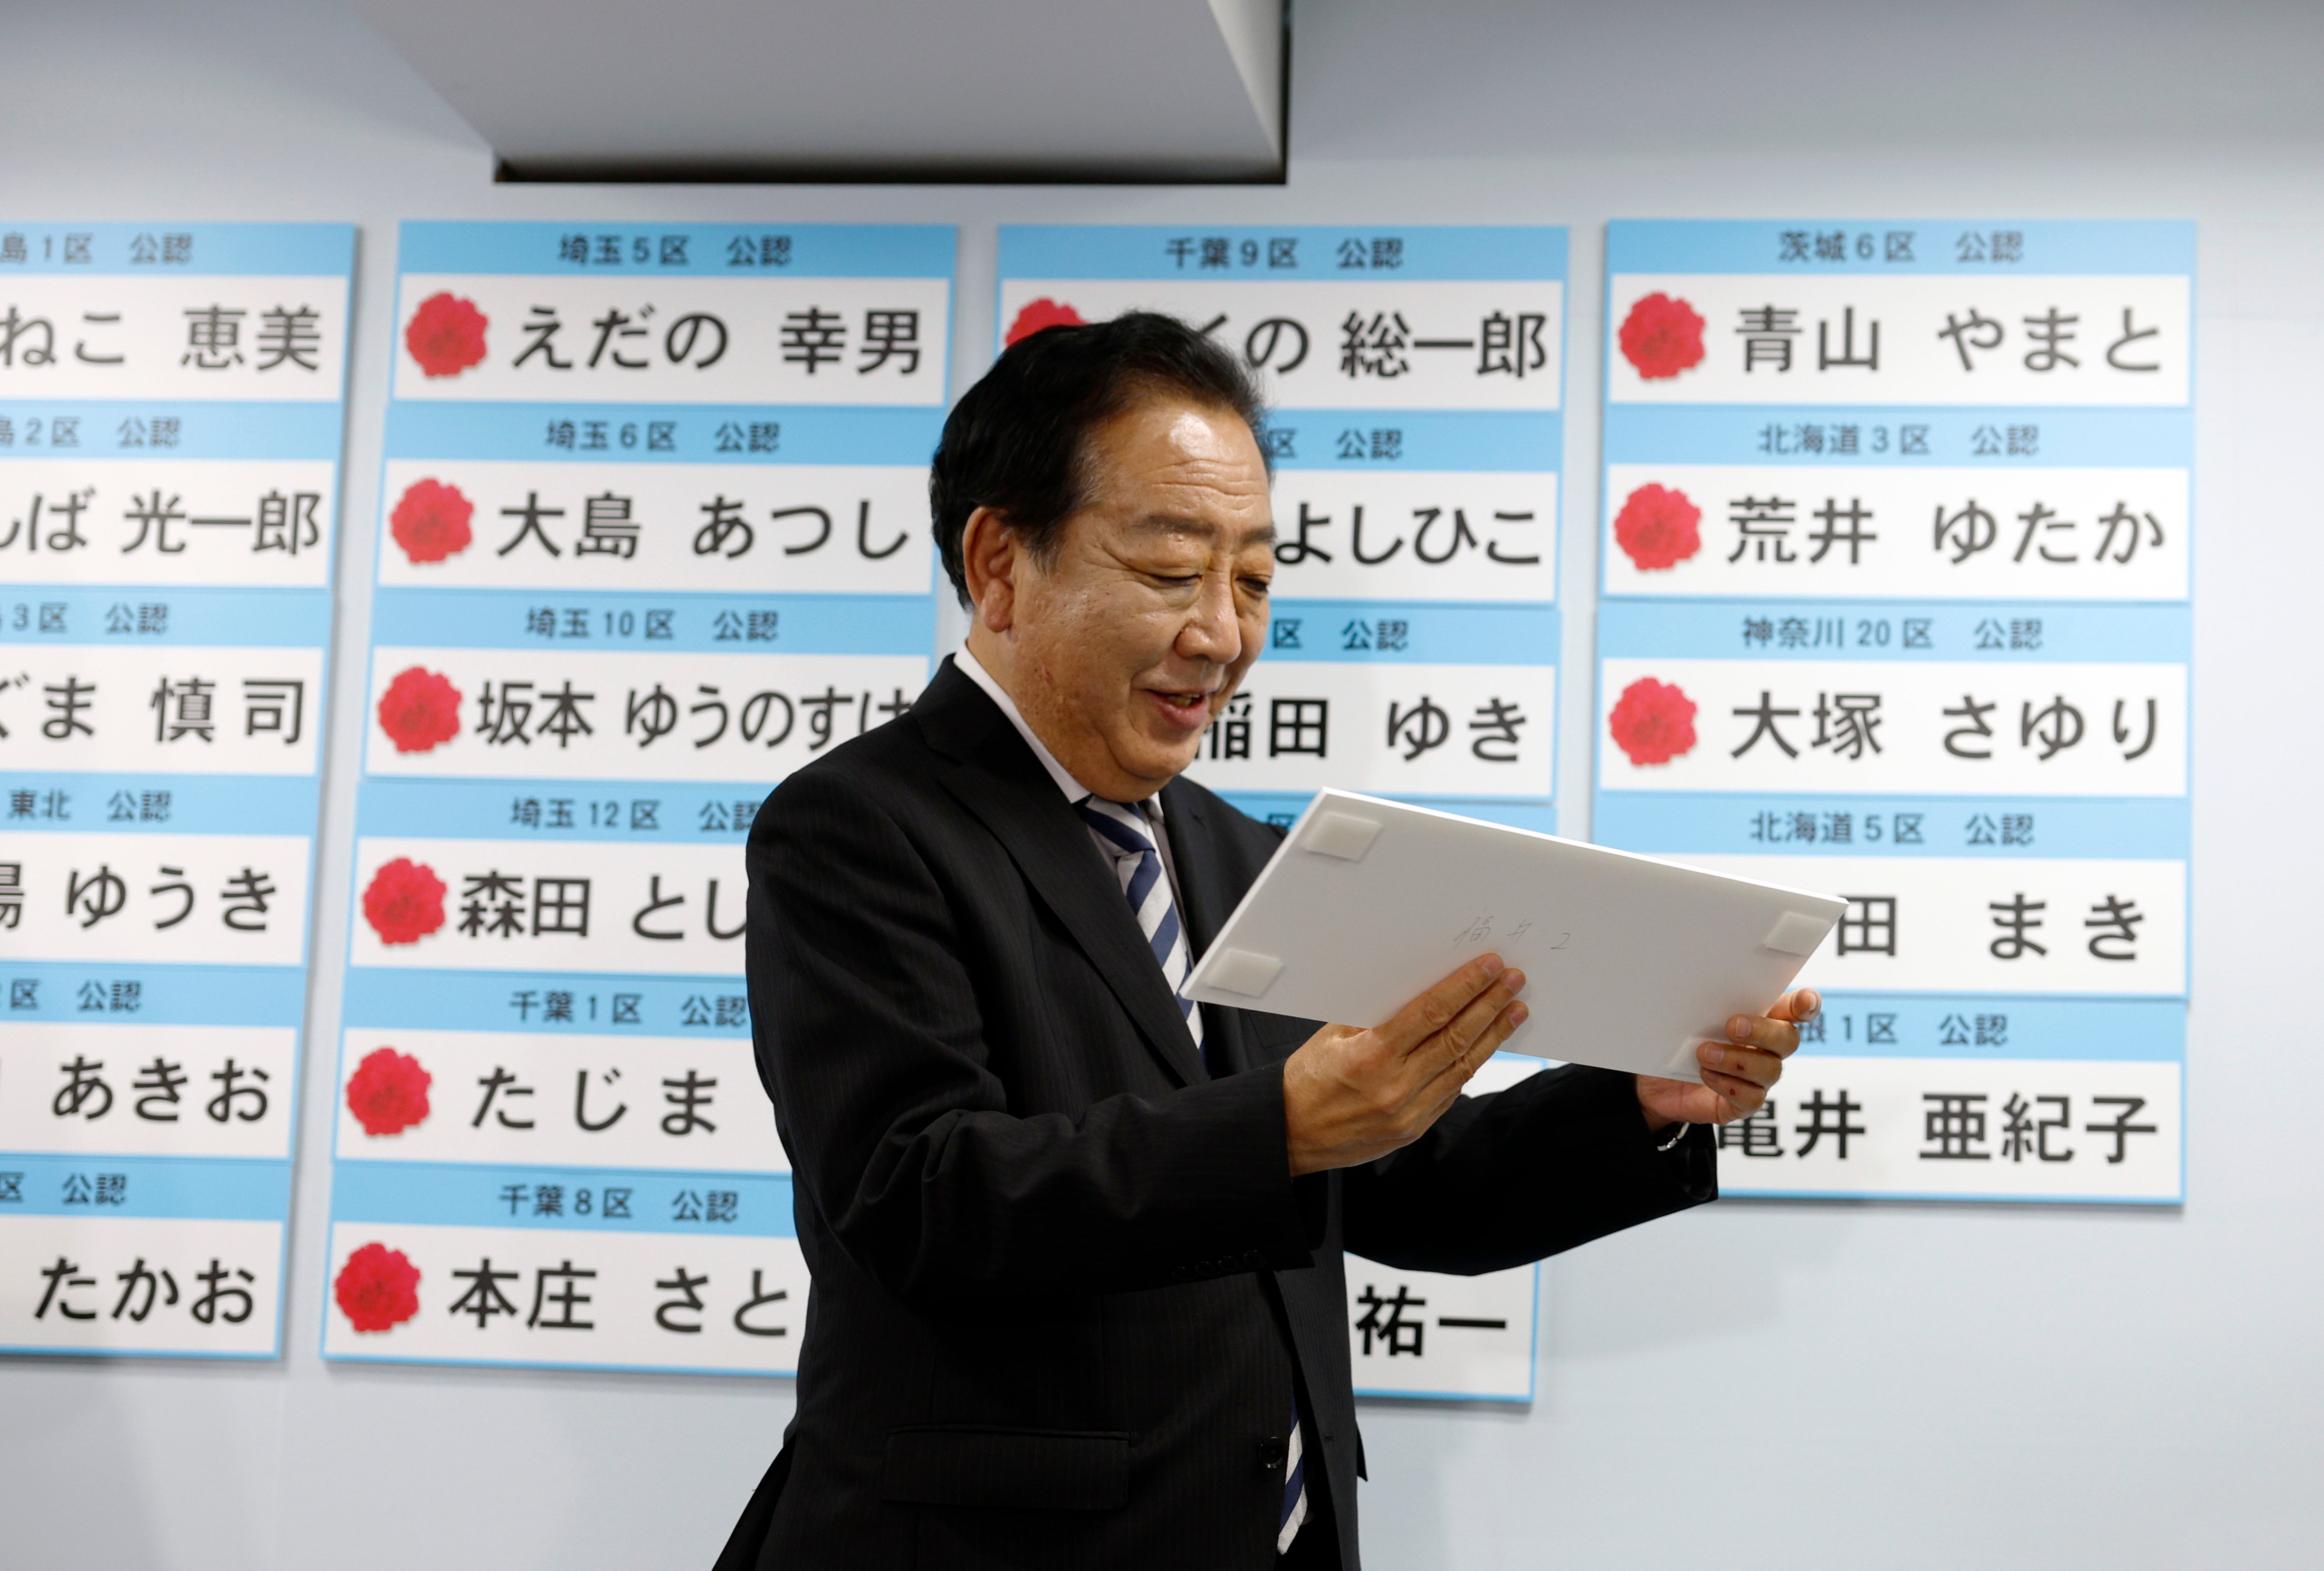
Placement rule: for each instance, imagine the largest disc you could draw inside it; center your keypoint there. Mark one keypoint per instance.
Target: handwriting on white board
(1481, 930)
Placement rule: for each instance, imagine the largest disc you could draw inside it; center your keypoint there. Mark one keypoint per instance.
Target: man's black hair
(1018, 440)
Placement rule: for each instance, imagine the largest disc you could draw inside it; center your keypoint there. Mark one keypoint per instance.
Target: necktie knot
(1120, 826)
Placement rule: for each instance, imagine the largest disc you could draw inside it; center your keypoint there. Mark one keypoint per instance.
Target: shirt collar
(973, 670)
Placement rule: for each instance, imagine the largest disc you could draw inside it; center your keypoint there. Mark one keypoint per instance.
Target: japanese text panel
(655, 536)
(170, 406)
(1896, 535)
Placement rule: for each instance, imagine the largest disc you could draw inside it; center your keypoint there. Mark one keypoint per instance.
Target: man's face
(1134, 637)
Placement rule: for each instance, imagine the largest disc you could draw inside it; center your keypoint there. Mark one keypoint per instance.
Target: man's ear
(991, 559)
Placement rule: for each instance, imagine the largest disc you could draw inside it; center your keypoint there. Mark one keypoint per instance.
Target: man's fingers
(1441, 1005)
(1778, 1037)
(1463, 1062)
(1488, 1042)
(1745, 1096)
(1801, 1005)
(1472, 1021)
(1759, 1068)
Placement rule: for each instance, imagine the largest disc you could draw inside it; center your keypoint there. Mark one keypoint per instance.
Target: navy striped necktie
(1124, 834)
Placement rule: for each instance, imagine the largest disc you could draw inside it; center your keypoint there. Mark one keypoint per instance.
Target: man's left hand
(1736, 1073)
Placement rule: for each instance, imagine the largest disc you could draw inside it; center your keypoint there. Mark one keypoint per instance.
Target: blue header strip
(557, 810)
(1900, 1025)
(174, 248)
(658, 433)
(459, 1194)
(233, 618)
(1414, 439)
(387, 998)
(231, 1188)
(159, 803)
(135, 993)
(677, 623)
(1428, 633)
(197, 429)
(1803, 824)
(2000, 437)
(1972, 247)
(1204, 251)
(2015, 632)
(679, 249)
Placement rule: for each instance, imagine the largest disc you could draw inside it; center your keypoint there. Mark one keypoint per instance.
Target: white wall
(1752, 1385)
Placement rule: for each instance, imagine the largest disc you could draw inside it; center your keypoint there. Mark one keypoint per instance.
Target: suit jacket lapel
(997, 778)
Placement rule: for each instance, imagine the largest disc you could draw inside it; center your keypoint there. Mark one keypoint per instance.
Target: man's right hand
(1349, 1095)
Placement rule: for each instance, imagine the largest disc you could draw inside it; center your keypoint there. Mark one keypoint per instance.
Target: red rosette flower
(388, 1092)
(378, 1288)
(404, 901)
(1652, 722)
(420, 710)
(446, 335)
(1661, 337)
(1041, 313)
(1656, 528)
(430, 520)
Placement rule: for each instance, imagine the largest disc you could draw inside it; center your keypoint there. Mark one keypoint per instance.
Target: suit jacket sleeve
(1557, 1159)
(872, 1043)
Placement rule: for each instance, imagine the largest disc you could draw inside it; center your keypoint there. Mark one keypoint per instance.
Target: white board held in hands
(1630, 961)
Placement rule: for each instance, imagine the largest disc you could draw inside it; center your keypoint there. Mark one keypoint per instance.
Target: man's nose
(1213, 631)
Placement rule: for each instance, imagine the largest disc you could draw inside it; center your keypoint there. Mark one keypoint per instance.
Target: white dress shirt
(1074, 792)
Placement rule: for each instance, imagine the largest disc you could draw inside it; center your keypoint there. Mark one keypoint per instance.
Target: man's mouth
(1189, 711)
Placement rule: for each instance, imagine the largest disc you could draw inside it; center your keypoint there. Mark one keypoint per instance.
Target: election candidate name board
(170, 414)
(1414, 382)
(1896, 562)
(654, 535)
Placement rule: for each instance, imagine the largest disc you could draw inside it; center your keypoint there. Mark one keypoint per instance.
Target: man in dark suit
(1075, 1242)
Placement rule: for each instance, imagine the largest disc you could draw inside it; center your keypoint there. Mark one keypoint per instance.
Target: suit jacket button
(1272, 1448)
